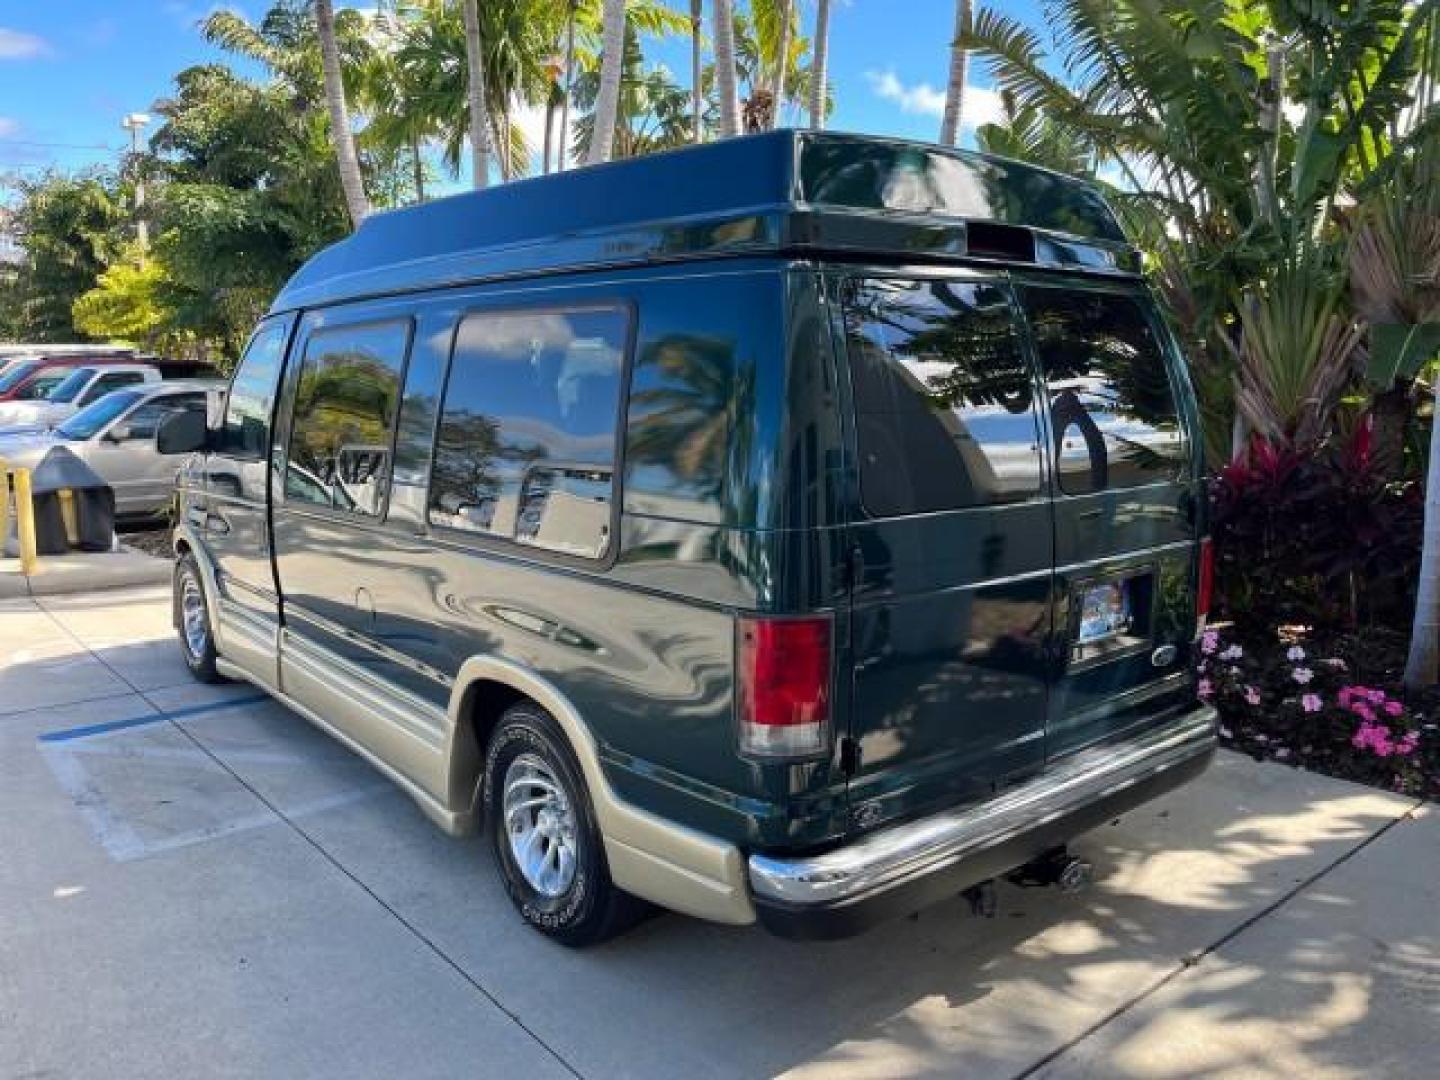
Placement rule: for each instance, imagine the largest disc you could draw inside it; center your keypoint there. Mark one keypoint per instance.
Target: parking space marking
(88, 730)
(122, 835)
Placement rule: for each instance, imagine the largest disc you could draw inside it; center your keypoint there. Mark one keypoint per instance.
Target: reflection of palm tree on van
(681, 419)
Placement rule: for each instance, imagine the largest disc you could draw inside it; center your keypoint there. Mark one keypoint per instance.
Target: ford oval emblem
(1164, 656)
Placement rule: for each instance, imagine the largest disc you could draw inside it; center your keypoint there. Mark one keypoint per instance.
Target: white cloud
(982, 105)
(8, 127)
(922, 98)
(18, 45)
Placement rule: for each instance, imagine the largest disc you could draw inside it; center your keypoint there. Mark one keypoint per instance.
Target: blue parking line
(154, 718)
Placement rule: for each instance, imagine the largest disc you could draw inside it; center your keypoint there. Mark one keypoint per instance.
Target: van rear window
(1112, 408)
(943, 397)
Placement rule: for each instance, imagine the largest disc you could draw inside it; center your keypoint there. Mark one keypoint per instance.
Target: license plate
(1106, 612)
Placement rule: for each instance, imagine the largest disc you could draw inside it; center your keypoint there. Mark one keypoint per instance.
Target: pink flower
(1295, 653)
(1373, 737)
(1234, 652)
(1394, 708)
(1311, 703)
(1302, 675)
(1377, 697)
(1363, 711)
(1406, 746)
(1209, 642)
(1252, 696)
(1205, 689)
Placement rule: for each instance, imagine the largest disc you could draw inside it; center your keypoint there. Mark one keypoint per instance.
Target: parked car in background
(30, 377)
(800, 528)
(81, 387)
(115, 436)
(13, 349)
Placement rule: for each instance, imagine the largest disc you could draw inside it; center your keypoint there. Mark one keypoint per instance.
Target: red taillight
(1206, 583)
(783, 685)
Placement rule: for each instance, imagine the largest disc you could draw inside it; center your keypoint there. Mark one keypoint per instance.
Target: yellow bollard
(25, 521)
(67, 514)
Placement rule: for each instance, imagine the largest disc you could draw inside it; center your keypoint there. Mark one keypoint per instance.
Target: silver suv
(115, 436)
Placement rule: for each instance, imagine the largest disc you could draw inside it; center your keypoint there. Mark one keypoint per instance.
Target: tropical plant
(958, 76)
(1027, 134)
(1237, 124)
(607, 96)
(68, 229)
(652, 111)
(127, 303)
(1395, 285)
(340, 132)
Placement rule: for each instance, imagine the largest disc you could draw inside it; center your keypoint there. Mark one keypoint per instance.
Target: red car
(31, 378)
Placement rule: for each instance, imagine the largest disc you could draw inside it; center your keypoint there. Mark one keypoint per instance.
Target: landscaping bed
(1330, 703)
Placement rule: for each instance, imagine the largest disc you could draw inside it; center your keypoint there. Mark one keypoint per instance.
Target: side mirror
(118, 434)
(182, 433)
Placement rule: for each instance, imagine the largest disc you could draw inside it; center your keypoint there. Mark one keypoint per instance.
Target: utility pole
(135, 124)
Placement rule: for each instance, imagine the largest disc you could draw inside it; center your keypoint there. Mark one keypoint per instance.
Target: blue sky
(70, 69)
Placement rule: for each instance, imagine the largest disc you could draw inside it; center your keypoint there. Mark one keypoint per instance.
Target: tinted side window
(245, 431)
(1112, 408)
(943, 397)
(346, 400)
(145, 420)
(526, 446)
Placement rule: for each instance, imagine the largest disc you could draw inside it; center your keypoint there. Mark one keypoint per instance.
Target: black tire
(590, 908)
(198, 648)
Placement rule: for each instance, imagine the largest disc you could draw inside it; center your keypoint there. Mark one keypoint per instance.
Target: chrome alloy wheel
(193, 621)
(540, 826)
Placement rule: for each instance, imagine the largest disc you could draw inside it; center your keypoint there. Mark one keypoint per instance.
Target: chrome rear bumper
(905, 867)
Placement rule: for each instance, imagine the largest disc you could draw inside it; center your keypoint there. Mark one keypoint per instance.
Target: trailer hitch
(1056, 867)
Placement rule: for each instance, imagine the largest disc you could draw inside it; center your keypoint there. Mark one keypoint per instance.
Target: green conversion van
(800, 529)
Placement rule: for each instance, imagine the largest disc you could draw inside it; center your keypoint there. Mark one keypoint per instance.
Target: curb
(63, 574)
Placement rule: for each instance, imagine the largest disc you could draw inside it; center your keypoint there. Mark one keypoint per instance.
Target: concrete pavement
(195, 882)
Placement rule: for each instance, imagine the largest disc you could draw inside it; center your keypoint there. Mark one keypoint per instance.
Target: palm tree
(726, 83)
(697, 96)
(782, 60)
(475, 94)
(818, 70)
(350, 178)
(612, 67)
(959, 73)
(570, 10)
(653, 112)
